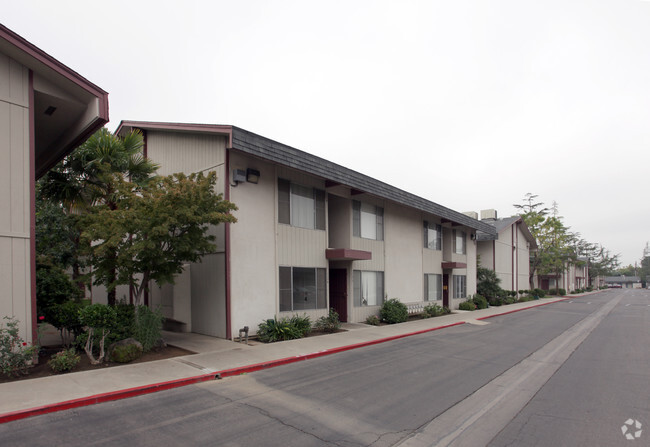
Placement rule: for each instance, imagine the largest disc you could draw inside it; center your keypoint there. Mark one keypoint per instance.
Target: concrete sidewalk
(215, 358)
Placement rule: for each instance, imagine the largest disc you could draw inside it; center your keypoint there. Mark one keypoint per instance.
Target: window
(432, 287)
(459, 242)
(368, 288)
(368, 221)
(302, 288)
(301, 206)
(432, 236)
(460, 286)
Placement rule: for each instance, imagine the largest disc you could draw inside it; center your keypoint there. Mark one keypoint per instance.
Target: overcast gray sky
(470, 104)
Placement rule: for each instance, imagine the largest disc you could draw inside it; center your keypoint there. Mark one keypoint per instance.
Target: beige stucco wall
(523, 261)
(507, 259)
(404, 275)
(198, 299)
(15, 265)
(253, 256)
(504, 258)
(484, 249)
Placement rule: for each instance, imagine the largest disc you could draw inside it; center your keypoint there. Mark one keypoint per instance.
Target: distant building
(507, 252)
(625, 282)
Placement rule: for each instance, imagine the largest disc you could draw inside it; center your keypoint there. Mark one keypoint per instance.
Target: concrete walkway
(214, 358)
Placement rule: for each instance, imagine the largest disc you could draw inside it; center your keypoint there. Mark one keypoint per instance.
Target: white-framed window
(460, 286)
(302, 288)
(432, 287)
(432, 236)
(367, 221)
(459, 242)
(301, 206)
(368, 288)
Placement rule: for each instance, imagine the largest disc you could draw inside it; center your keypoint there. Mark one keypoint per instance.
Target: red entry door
(339, 292)
(445, 290)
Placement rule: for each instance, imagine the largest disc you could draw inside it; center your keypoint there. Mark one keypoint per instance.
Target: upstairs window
(368, 221)
(459, 242)
(432, 236)
(301, 206)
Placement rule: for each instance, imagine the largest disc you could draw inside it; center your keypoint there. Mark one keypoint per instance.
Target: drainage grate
(194, 365)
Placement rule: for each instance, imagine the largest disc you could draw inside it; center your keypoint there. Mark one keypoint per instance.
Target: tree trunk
(89, 346)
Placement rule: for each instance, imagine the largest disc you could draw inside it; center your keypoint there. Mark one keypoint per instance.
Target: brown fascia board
(218, 129)
(527, 233)
(45, 65)
(265, 148)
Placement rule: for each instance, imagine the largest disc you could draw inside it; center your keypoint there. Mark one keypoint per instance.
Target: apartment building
(310, 235)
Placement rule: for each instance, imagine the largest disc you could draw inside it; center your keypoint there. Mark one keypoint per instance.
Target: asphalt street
(604, 383)
(396, 392)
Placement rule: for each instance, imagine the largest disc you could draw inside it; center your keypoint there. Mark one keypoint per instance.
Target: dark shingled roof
(268, 149)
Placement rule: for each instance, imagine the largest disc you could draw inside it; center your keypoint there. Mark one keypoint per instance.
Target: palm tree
(86, 178)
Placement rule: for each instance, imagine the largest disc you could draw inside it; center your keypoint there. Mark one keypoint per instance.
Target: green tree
(87, 178)
(154, 229)
(554, 240)
(487, 283)
(534, 215)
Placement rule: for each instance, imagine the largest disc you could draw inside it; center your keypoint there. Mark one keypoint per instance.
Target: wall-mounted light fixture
(252, 175)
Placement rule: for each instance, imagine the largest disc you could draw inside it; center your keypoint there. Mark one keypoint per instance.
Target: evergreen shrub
(393, 311)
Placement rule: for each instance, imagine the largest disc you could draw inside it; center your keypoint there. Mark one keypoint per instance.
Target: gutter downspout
(227, 242)
(517, 256)
(512, 257)
(32, 207)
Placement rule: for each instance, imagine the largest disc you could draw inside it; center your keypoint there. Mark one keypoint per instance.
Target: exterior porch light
(252, 175)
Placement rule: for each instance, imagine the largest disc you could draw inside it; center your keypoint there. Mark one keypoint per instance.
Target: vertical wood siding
(186, 152)
(15, 266)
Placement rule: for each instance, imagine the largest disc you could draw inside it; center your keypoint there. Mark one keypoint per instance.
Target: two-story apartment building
(310, 235)
(507, 252)
(46, 110)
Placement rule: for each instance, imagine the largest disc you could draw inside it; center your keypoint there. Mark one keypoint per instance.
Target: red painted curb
(301, 357)
(147, 389)
(161, 386)
(523, 308)
(104, 397)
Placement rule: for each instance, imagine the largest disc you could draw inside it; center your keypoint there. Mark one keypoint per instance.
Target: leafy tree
(600, 261)
(547, 231)
(55, 234)
(99, 318)
(86, 178)
(557, 246)
(153, 229)
(487, 283)
(53, 287)
(629, 270)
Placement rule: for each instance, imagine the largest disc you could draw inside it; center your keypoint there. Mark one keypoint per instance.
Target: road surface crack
(267, 414)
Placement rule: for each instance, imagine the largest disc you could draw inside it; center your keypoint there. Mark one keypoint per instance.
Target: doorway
(339, 292)
(445, 290)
